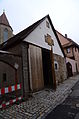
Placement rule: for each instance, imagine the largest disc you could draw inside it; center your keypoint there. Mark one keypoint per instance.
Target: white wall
(37, 37)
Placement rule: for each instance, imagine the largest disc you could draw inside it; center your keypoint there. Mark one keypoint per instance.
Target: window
(5, 34)
(68, 50)
(56, 65)
(4, 77)
(47, 24)
(76, 49)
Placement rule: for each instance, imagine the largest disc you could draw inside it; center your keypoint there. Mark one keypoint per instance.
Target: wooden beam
(53, 69)
(50, 42)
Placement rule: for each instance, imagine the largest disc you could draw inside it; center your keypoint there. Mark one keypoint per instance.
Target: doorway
(47, 68)
(69, 69)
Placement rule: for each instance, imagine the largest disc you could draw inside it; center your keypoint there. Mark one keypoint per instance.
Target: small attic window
(47, 24)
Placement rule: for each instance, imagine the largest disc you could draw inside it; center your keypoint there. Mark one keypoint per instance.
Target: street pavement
(69, 109)
(42, 103)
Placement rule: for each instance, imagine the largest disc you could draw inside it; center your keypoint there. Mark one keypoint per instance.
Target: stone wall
(22, 51)
(16, 49)
(10, 75)
(8, 71)
(25, 66)
(7, 64)
(61, 72)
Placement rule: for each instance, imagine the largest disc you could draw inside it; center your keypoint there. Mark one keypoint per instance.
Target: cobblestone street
(42, 102)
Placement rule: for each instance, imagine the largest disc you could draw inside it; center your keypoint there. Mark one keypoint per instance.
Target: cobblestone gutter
(41, 103)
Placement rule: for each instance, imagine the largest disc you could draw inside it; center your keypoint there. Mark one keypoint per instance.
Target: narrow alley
(69, 109)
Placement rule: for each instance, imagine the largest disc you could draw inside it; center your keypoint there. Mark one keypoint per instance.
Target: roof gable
(23, 34)
(65, 41)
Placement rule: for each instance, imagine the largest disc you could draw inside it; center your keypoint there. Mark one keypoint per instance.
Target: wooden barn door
(35, 68)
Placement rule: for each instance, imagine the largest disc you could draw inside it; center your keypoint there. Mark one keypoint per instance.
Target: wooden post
(16, 78)
(53, 70)
(16, 81)
(50, 42)
(16, 68)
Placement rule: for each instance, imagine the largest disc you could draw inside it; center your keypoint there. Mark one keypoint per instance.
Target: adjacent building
(71, 50)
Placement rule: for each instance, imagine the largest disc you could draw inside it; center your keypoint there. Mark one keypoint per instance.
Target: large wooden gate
(35, 68)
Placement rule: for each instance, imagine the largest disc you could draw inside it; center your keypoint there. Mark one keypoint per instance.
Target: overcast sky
(64, 14)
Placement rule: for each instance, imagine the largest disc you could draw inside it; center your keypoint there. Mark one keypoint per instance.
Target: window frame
(68, 50)
(5, 34)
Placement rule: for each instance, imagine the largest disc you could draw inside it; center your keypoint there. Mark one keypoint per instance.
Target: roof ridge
(61, 34)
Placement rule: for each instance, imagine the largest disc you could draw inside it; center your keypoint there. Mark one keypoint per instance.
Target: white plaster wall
(37, 37)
